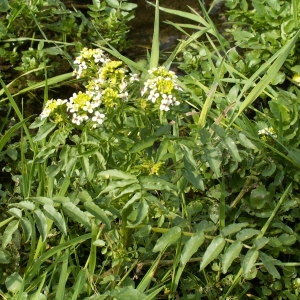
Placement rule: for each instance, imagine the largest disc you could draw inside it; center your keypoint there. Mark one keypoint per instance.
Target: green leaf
(25, 205)
(272, 66)
(98, 212)
(231, 146)
(268, 263)
(42, 200)
(44, 131)
(191, 247)
(15, 212)
(14, 283)
(168, 238)
(128, 6)
(113, 3)
(156, 183)
(214, 158)
(4, 257)
(51, 212)
(76, 214)
(41, 223)
(247, 233)
(230, 255)
(233, 228)
(27, 228)
(214, 249)
(115, 174)
(4, 6)
(115, 185)
(139, 214)
(260, 242)
(246, 142)
(8, 233)
(249, 260)
(145, 143)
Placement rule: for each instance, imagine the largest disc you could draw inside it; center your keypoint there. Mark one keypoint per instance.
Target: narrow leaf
(214, 249)
(168, 238)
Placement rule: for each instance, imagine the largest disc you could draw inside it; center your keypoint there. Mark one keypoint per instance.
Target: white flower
(98, 118)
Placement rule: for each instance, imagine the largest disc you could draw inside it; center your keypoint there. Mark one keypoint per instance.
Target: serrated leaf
(98, 212)
(27, 228)
(230, 255)
(214, 249)
(56, 217)
(233, 228)
(76, 214)
(168, 238)
(8, 232)
(268, 263)
(25, 205)
(249, 260)
(247, 233)
(191, 247)
(41, 223)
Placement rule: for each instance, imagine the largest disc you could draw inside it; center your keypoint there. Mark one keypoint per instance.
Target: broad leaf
(27, 228)
(230, 255)
(76, 214)
(247, 233)
(56, 217)
(98, 212)
(8, 233)
(214, 249)
(268, 263)
(191, 247)
(249, 260)
(168, 238)
(233, 228)
(41, 223)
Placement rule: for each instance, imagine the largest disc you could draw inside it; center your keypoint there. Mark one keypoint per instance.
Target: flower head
(161, 88)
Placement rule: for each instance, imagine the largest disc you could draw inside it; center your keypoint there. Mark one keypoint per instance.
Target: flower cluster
(107, 85)
(106, 88)
(161, 88)
(267, 134)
